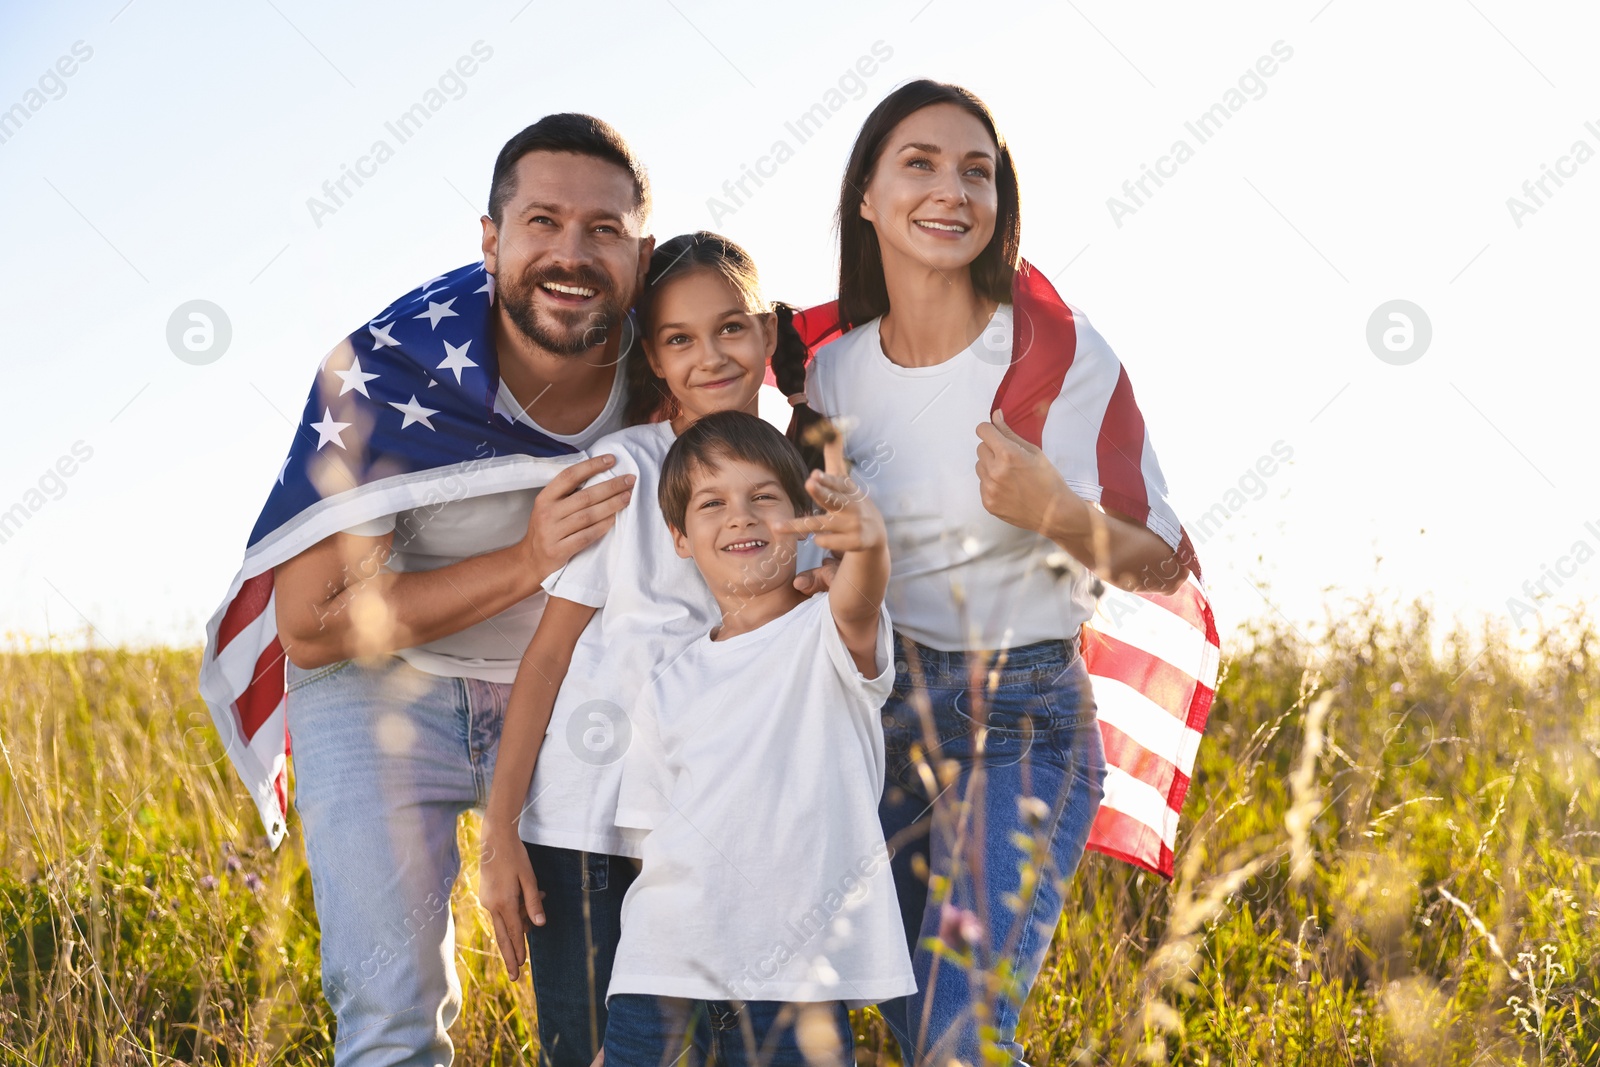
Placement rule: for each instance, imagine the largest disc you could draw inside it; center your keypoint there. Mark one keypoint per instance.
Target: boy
(765, 904)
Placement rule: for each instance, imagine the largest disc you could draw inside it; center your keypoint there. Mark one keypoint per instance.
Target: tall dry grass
(1390, 855)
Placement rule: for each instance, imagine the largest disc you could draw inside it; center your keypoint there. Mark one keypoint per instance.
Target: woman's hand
(1018, 484)
(510, 892)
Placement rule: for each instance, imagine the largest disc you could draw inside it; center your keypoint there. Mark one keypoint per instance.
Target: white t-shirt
(427, 538)
(962, 578)
(757, 763)
(651, 605)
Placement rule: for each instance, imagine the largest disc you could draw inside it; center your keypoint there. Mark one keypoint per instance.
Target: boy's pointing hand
(850, 521)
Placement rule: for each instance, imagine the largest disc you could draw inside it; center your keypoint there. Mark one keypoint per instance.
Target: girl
(988, 675)
(615, 612)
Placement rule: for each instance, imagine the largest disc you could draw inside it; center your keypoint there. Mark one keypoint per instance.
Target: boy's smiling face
(728, 528)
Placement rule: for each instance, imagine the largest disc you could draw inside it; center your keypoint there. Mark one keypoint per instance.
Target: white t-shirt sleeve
(875, 690)
(586, 577)
(646, 783)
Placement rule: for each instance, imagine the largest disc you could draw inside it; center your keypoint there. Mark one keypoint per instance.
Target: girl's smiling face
(707, 346)
(932, 196)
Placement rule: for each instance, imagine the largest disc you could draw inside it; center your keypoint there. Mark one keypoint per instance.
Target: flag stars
(414, 412)
(456, 359)
(380, 336)
(437, 311)
(329, 430)
(354, 378)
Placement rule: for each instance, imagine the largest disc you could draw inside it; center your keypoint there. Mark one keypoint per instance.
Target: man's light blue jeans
(386, 759)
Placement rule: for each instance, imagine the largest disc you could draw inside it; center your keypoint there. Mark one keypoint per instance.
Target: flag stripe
(1163, 684)
(1132, 797)
(246, 608)
(1123, 751)
(1136, 715)
(1120, 453)
(1177, 790)
(1152, 624)
(1034, 379)
(257, 703)
(1141, 720)
(1124, 837)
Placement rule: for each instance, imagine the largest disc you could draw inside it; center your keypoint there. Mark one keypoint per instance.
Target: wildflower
(232, 862)
(1033, 809)
(959, 928)
(208, 882)
(252, 882)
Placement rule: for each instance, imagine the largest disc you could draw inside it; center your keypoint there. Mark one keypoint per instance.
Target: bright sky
(1374, 163)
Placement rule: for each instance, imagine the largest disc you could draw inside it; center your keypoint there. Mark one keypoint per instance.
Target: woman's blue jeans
(995, 773)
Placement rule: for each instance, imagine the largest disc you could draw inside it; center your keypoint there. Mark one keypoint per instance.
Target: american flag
(403, 414)
(1152, 658)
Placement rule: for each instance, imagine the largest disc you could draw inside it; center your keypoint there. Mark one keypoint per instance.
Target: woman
(995, 763)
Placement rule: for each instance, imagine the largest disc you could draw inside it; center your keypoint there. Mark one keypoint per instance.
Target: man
(401, 555)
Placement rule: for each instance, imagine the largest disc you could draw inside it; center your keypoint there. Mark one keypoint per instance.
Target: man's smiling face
(569, 254)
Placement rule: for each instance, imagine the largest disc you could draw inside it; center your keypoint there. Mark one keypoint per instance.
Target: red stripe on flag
(1199, 709)
(280, 785)
(1120, 453)
(1133, 759)
(247, 606)
(1123, 837)
(1189, 604)
(265, 691)
(1179, 790)
(1170, 687)
(818, 325)
(1044, 342)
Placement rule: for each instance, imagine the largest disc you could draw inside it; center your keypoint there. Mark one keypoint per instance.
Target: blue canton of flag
(412, 390)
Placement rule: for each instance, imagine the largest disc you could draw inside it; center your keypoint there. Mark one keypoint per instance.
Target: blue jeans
(572, 953)
(386, 759)
(648, 1031)
(1028, 765)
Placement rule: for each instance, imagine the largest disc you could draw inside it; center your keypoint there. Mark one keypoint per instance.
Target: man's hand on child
(818, 579)
(509, 891)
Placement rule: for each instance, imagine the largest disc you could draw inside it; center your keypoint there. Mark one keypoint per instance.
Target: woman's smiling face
(932, 197)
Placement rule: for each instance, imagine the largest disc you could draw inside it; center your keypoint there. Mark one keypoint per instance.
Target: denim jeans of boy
(650, 1031)
(995, 766)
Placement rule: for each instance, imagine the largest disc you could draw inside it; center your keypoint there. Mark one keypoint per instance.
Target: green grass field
(1390, 855)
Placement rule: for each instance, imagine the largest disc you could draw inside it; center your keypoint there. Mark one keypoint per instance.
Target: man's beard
(557, 330)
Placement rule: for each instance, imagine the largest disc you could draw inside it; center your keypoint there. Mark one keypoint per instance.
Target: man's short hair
(724, 435)
(584, 135)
